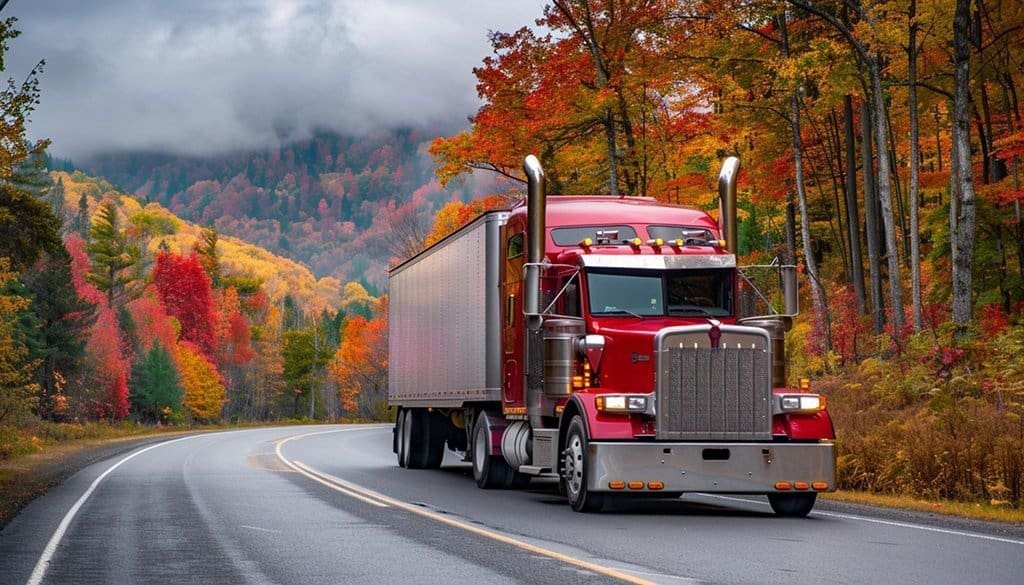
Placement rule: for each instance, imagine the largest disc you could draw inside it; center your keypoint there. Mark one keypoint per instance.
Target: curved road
(327, 504)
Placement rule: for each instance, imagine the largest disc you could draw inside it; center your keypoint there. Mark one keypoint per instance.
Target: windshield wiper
(614, 311)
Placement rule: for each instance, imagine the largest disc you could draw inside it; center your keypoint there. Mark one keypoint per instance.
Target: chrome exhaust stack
(533, 368)
(536, 209)
(727, 202)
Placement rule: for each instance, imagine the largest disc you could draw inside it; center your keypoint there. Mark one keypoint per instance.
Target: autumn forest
(881, 143)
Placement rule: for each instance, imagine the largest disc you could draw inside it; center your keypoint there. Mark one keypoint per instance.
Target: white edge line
(51, 547)
(888, 522)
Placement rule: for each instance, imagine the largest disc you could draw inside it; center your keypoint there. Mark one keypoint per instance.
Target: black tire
(574, 470)
(792, 505)
(402, 438)
(489, 471)
(437, 431)
(424, 439)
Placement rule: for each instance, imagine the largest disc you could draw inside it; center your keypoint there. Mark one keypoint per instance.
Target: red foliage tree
(109, 363)
(80, 266)
(152, 323)
(187, 294)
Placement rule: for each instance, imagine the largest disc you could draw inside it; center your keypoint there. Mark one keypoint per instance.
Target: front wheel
(574, 470)
(792, 505)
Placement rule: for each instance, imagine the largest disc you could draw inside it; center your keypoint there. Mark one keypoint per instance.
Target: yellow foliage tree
(17, 391)
(204, 391)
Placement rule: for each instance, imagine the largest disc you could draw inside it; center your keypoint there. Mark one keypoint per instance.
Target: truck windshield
(644, 293)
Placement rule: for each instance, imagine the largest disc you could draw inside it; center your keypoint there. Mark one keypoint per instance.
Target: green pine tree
(207, 248)
(156, 387)
(55, 326)
(115, 260)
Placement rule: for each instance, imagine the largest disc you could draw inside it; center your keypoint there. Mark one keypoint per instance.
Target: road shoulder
(24, 479)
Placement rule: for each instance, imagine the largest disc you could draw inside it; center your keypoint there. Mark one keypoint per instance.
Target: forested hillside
(331, 202)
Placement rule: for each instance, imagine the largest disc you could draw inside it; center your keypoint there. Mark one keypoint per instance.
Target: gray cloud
(205, 76)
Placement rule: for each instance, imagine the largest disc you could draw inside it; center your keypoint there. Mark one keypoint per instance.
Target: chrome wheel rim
(574, 465)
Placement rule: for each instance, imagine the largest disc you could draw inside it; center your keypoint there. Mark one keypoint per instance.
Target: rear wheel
(792, 505)
(402, 438)
(423, 439)
(574, 470)
(489, 471)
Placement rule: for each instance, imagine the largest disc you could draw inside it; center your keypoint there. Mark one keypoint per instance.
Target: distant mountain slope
(328, 201)
(154, 226)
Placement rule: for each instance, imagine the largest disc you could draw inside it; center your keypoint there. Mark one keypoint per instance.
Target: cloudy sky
(206, 76)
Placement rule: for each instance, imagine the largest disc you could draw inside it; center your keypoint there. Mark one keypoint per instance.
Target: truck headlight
(801, 402)
(622, 403)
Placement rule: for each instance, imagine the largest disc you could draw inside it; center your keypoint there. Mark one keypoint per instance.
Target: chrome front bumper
(753, 468)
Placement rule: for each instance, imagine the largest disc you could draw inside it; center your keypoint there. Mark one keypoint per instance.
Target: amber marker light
(819, 486)
(802, 485)
(655, 485)
(616, 485)
(783, 486)
(636, 485)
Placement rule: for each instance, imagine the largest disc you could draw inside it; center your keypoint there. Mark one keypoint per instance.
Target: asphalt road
(329, 505)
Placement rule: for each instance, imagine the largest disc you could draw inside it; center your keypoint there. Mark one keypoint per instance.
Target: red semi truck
(601, 340)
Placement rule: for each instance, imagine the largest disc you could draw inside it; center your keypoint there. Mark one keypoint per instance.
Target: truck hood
(628, 362)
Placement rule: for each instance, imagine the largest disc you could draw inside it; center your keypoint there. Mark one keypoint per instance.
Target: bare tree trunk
(954, 196)
(915, 171)
(871, 220)
(1015, 163)
(818, 294)
(852, 215)
(818, 297)
(790, 229)
(885, 195)
(963, 261)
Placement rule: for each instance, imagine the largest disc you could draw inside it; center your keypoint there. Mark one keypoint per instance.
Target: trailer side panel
(445, 321)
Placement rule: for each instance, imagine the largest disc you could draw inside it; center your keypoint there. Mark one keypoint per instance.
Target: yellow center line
(380, 500)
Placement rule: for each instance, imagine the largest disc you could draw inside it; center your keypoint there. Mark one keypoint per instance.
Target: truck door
(514, 238)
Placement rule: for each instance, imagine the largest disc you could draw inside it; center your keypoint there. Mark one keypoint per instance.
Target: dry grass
(973, 510)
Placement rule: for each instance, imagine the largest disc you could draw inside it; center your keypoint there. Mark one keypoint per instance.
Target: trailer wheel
(402, 423)
(423, 439)
(489, 471)
(574, 470)
(792, 505)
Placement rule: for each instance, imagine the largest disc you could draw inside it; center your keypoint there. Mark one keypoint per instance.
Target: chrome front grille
(714, 393)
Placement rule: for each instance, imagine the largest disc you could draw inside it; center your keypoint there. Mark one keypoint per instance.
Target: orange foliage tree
(456, 214)
(360, 365)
